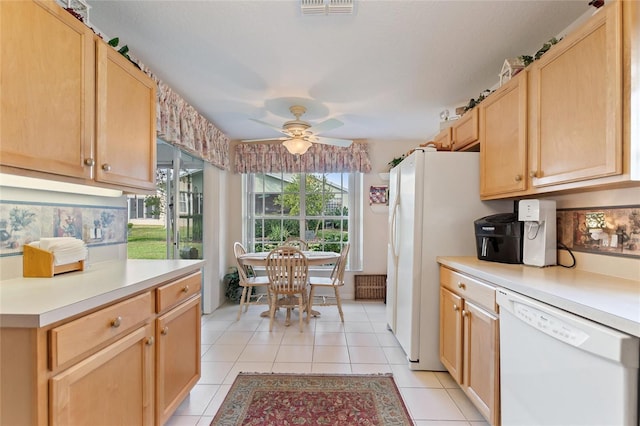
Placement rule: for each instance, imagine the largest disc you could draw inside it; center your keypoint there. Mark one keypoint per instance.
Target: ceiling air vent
(340, 7)
(326, 7)
(313, 7)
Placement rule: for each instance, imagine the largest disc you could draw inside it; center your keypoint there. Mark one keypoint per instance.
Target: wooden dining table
(314, 258)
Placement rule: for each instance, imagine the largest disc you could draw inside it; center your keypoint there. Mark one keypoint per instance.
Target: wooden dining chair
(335, 281)
(297, 243)
(249, 280)
(288, 273)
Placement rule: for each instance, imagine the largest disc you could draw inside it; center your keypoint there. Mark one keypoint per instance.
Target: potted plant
(231, 281)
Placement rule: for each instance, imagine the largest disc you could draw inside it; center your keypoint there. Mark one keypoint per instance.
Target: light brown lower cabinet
(129, 362)
(111, 387)
(178, 356)
(469, 340)
(451, 333)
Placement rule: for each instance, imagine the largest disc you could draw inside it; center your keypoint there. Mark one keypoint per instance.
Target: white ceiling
(386, 71)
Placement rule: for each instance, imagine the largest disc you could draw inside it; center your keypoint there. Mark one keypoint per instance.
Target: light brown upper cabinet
(575, 127)
(71, 108)
(465, 131)
(503, 139)
(580, 114)
(47, 89)
(125, 121)
(443, 140)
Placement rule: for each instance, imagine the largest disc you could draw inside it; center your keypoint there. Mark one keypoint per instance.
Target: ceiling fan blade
(272, 126)
(331, 141)
(325, 126)
(264, 140)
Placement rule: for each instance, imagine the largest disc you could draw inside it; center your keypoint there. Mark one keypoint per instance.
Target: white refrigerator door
(409, 235)
(392, 245)
(437, 203)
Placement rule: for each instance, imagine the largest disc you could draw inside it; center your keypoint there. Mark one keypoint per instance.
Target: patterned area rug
(312, 399)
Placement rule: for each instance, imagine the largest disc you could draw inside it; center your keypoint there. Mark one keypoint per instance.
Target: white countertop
(611, 301)
(38, 302)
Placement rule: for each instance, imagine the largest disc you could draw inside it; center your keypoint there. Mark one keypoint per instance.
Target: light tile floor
(361, 345)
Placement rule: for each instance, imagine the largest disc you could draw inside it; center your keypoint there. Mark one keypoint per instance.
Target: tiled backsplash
(24, 222)
(613, 231)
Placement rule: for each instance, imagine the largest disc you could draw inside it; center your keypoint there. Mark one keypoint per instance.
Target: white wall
(215, 207)
(376, 223)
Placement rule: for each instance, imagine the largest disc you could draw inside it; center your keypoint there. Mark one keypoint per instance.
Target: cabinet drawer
(466, 131)
(469, 288)
(175, 292)
(79, 336)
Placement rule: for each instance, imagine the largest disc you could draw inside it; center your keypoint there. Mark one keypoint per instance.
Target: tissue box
(38, 263)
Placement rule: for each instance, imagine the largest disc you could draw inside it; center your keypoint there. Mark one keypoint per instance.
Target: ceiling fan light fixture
(297, 146)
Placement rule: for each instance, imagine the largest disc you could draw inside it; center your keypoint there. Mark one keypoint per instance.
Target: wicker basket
(371, 287)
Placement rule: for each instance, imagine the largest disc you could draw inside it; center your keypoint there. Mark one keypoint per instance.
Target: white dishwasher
(560, 369)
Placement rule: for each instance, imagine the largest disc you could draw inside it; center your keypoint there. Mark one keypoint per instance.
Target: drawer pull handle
(116, 322)
(150, 341)
(185, 289)
(165, 331)
(456, 308)
(461, 285)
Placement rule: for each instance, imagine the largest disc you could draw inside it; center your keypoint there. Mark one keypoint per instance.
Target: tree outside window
(313, 207)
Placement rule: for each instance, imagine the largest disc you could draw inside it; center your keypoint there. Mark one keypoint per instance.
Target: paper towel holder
(38, 263)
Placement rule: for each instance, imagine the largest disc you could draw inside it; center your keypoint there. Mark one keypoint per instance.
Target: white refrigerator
(433, 201)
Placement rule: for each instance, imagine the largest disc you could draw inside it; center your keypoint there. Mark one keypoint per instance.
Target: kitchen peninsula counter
(86, 333)
(608, 300)
(39, 302)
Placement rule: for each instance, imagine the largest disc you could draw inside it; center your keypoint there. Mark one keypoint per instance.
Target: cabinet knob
(461, 286)
(164, 331)
(89, 162)
(456, 308)
(185, 289)
(116, 322)
(518, 178)
(150, 341)
(106, 167)
(533, 174)
(464, 313)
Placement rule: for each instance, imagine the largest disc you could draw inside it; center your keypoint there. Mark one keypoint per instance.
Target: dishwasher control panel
(550, 325)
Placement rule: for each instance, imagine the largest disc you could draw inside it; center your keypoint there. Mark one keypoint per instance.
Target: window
(322, 209)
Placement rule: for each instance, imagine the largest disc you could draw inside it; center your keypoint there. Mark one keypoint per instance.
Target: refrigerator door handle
(393, 232)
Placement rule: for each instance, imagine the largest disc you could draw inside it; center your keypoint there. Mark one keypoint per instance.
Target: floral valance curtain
(274, 158)
(181, 125)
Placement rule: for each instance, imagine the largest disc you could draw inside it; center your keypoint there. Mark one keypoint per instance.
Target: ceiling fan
(300, 135)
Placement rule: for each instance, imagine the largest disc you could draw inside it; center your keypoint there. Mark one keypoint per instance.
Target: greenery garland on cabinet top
(395, 161)
(526, 60)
